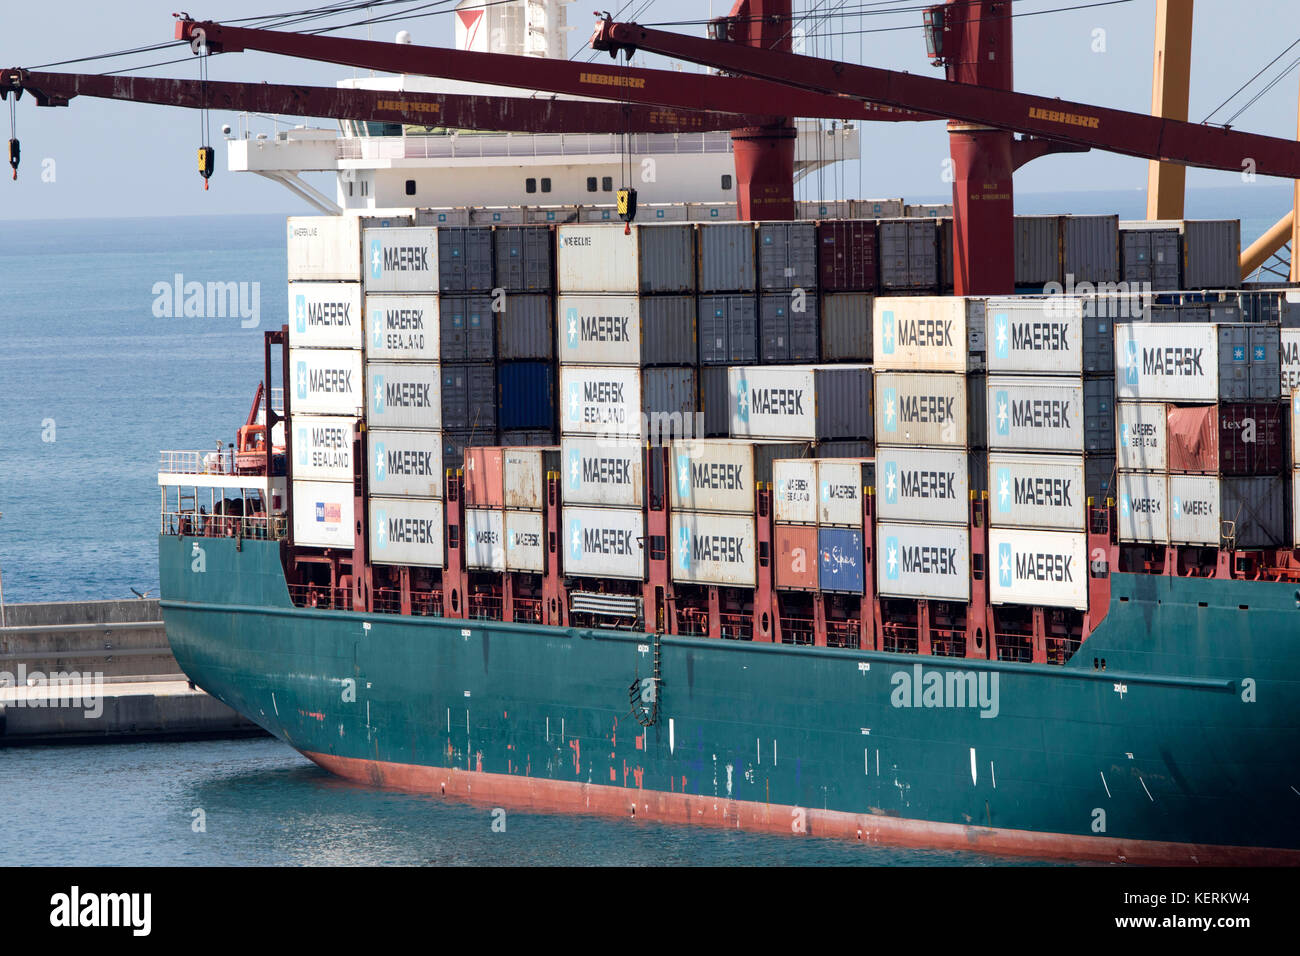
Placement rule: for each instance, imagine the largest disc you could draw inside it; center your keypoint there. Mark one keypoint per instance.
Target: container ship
(769, 523)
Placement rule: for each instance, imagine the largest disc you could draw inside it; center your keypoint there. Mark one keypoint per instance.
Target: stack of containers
(524, 266)
(909, 256)
(1208, 251)
(787, 302)
(468, 323)
(505, 490)
(817, 507)
(929, 396)
(728, 301)
(403, 398)
(325, 354)
(1201, 429)
(848, 279)
(1066, 250)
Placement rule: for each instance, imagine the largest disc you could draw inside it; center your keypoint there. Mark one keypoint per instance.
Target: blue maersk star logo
(1004, 489)
(891, 558)
(742, 400)
(381, 529)
(891, 482)
(887, 332)
(300, 313)
(376, 329)
(575, 469)
(302, 380)
(376, 259)
(379, 395)
(684, 548)
(575, 540)
(302, 447)
(1131, 363)
(684, 475)
(575, 402)
(1002, 406)
(1259, 353)
(572, 320)
(826, 491)
(1001, 335)
(1004, 565)
(890, 399)
(1239, 353)
(1124, 506)
(1123, 435)
(381, 465)
(1178, 507)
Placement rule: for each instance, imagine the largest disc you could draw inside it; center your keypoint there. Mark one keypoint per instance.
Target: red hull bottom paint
(536, 794)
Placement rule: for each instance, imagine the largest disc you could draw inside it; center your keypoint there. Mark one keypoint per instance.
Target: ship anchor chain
(643, 694)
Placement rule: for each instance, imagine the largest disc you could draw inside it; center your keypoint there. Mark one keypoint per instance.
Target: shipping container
(324, 248)
(443, 216)
(1031, 413)
(1295, 428)
(1249, 363)
(1193, 436)
(824, 208)
(794, 491)
(525, 395)
(908, 255)
(404, 395)
(787, 324)
(787, 256)
(325, 315)
(847, 256)
(602, 471)
(527, 437)
(1090, 249)
(323, 514)
(1194, 510)
(1038, 250)
(1143, 436)
(841, 483)
(407, 531)
(1245, 513)
(715, 401)
(601, 258)
(485, 533)
(1211, 249)
(626, 330)
(465, 259)
(929, 333)
(1143, 507)
(604, 543)
(1039, 568)
(720, 475)
(454, 443)
(1165, 362)
(525, 542)
(468, 328)
(658, 402)
(1038, 491)
(1289, 347)
(797, 564)
(923, 484)
(402, 328)
(327, 382)
(386, 221)
(926, 562)
(1043, 334)
(840, 560)
(484, 475)
(947, 257)
(728, 329)
(405, 463)
(524, 476)
(1151, 256)
(714, 549)
(801, 402)
(525, 329)
(322, 447)
(401, 260)
(726, 252)
(469, 397)
(876, 208)
(927, 210)
(844, 449)
(711, 211)
(525, 258)
(930, 408)
(846, 322)
(1295, 508)
(1099, 477)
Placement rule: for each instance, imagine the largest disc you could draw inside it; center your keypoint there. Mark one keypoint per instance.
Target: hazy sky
(122, 159)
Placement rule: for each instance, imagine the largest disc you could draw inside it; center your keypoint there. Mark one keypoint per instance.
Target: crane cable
(207, 156)
(14, 150)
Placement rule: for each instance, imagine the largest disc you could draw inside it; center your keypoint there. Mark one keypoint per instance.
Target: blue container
(839, 560)
(525, 395)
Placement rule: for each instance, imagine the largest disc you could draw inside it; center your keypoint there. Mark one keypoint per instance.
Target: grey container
(726, 257)
(1099, 477)
(788, 334)
(465, 259)
(469, 398)
(525, 258)
(1099, 415)
(1254, 510)
(715, 401)
(908, 251)
(845, 319)
(1098, 337)
(669, 401)
(454, 443)
(527, 437)
(728, 330)
(667, 258)
(1152, 256)
(526, 329)
(668, 330)
(1212, 253)
(1037, 250)
(787, 256)
(1250, 363)
(467, 328)
(847, 449)
(1090, 248)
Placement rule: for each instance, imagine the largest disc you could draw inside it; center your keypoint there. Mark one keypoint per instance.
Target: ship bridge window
(591, 184)
(726, 180)
(410, 187)
(546, 185)
(530, 185)
(607, 184)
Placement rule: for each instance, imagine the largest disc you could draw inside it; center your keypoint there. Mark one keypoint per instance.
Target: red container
(1193, 439)
(847, 252)
(484, 471)
(796, 557)
(1252, 439)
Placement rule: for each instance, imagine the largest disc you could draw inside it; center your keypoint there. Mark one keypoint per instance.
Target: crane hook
(14, 155)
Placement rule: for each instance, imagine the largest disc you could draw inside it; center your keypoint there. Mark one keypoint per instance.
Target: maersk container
(322, 447)
(402, 328)
(728, 329)
(604, 543)
(601, 258)
(1178, 363)
(524, 476)
(325, 315)
(1250, 511)
(846, 252)
(484, 537)
(327, 382)
(1037, 491)
(1037, 250)
(800, 402)
(841, 484)
(1143, 443)
(1029, 413)
(525, 395)
(923, 484)
(525, 258)
(469, 397)
(405, 463)
(400, 260)
(627, 402)
(714, 549)
(876, 208)
(930, 408)
(1043, 334)
(324, 248)
(1289, 366)
(1039, 568)
(1151, 256)
(407, 531)
(468, 328)
(626, 330)
(1295, 508)
(726, 257)
(927, 562)
(1295, 428)
(840, 560)
(929, 333)
(720, 474)
(525, 542)
(908, 253)
(1143, 507)
(1249, 363)
(465, 259)
(846, 322)
(404, 395)
(1090, 248)
(1194, 510)
(796, 563)
(787, 324)
(602, 471)
(323, 514)
(787, 256)
(794, 491)
(525, 329)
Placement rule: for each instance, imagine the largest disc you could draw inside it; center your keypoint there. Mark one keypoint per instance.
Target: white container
(327, 382)
(800, 402)
(323, 514)
(928, 333)
(1295, 427)
(1037, 491)
(1047, 568)
(405, 463)
(598, 329)
(400, 259)
(1035, 414)
(525, 542)
(1143, 507)
(1167, 361)
(402, 328)
(840, 485)
(403, 395)
(407, 531)
(601, 471)
(524, 477)
(604, 258)
(714, 549)
(719, 474)
(600, 400)
(926, 562)
(325, 315)
(1290, 360)
(322, 448)
(1043, 335)
(923, 484)
(923, 408)
(324, 248)
(1295, 507)
(1194, 510)
(604, 543)
(794, 483)
(1142, 440)
(485, 539)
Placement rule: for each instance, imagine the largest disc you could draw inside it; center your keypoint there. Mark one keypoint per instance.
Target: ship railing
(386, 601)
(736, 626)
(1061, 648)
(1015, 646)
(900, 638)
(489, 145)
(844, 634)
(320, 596)
(193, 462)
(483, 606)
(528, 610)
(798, 630)
(199, 524)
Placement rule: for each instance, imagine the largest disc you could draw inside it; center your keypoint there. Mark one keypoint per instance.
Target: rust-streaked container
(484, 470)
(847, 255)
(524, 476)
(796, 557)
(1252, 439)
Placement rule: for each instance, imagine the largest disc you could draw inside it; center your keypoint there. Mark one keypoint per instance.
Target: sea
(98, 375)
